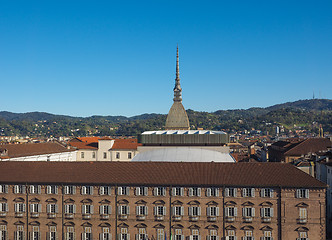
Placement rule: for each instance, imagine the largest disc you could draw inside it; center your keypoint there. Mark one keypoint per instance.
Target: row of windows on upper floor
(143, 191)
(117, 155)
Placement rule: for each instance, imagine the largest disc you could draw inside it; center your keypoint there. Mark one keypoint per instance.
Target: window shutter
(66, 209)
(262, 212)
(155, 191)
(48, 208)
(227, 211)
(91, 190)
(6, 188)
(155, 210)
(307, 193)
(38, 189)
(235, 211)
(83, 190)
(24, 207)
(199, 211)
(146, 210)
(208, 211)
(66, 190)
(127, 190)
(217, 192)
(101, 190)
(83, 209)
(56, 208)
(74, 208)
(190, 192)
(119, 210)
(226, 192)
(244, 192)
(182, 211)
(48, 189)
(6, 207)
(217, 211)
(208, 192)
(101, 209)
(298, 193)
(253, 212)
(262, 193)
(56, 189)
(271, 193)
(173, 191)
(181, 191)
(23, 189)
(164, 191)
(271, 210)
(244, 212)
(190, 211)
(31, 208)
(16, 207)
(252, 192)
(164, 210)
(137, 210)
(127, 209)
(91, 206)
(173, 211)
(235, 192)
(199, 192)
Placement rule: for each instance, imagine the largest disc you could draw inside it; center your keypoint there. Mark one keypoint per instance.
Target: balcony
(177, 218)
(266, 219)
(34, 215)
(302, 220)
(51, 215)
(3, 214)
(140, 217)
(193, 218)
(86, 216)
(69, 215)
(158, 217)
(230, 218)
(247, 219)
(123, 217)
(19, 214)
(104, 216)
(212, 218)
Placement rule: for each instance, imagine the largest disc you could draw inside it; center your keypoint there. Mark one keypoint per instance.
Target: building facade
(161, 201)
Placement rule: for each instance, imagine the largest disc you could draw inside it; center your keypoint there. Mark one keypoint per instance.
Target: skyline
(119, 58)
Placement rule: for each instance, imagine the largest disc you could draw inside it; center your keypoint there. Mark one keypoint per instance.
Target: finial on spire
(177, 88)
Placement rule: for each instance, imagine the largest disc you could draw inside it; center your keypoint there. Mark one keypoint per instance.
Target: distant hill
(302, 114)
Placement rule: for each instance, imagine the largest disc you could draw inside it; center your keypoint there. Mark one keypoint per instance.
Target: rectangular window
(194, 211)
(52, 233)
(231, 211)
(302, 193)
(87, 209)
(266, 212)
(3, 232)
(267, 192)
(195, 234)
(212, 211)
(267, 235)
(248, 212)
(303, 213)
(160, 234)
(159, 210)
(93, 154)
(82, 154)
(70, 208)
(70, 234)
(141, 210)
(177, 191)
(52, 208)
(3, 207)
(178, 234)
(87, 235)
(194, 192)
(19, 207)
(35, 235)
(123, 210)
(69, 190)
(141, 191)
(177, 211)
(117, 155)
(105, 209)
(105, 235)
(105, 155)
(129, 155)
(19, 189)
(230, 192)
(248, 192)
(105, 190)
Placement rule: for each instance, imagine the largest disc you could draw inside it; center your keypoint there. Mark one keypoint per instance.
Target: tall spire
(177, 88)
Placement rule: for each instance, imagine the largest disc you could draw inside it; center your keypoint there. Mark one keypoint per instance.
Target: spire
(177, 89)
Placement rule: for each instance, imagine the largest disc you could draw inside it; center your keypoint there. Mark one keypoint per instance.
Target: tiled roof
(120, 144)
(30, 149)
(158, 173)
(83, 145)
(309, 145)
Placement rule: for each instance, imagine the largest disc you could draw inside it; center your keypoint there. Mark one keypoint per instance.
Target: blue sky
(84, 58)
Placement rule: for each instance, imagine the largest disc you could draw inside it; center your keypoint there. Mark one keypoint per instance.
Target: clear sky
(84, 58)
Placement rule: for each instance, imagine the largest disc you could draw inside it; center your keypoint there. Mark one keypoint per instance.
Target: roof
(158, 173)
(83, 145)
(310, 145)
(182, 132)
(31, 149)
(123, 144)
(183, 154)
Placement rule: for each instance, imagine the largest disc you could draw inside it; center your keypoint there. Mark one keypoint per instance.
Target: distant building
(127, 200)
(48, 151)
(286, 151)
(104, 149)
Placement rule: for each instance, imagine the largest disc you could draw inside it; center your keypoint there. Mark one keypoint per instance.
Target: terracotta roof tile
(158, 173)
(310, 145)
(125, 144)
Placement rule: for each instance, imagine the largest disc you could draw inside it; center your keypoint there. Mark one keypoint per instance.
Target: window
(248, 235)
(105, 209)
(69, 190)
(70, 210)
(19, 209)
(160, 234)
(35, 189)
(230, 235)
(248, 212)
(177, 191)
(141, 210)
(194, 234)
(52, 235)
(19, 189)
(87, 209)
(302, 215)
(159, 212)
(52, 209)
(70, 234)
(20, 233)
(129, 155)
(213, 235)
(267, 192)
(82, 154)
(194, 211)
(231, 211)
(194, 192)
(248, 192)
(35, 209)
(87, 234)
(105, 235)
(123, 210)
(117, 155)
(3, 188)
(105, 155)
(159, 191)
(177, 211)
(267, 235)
(105, 190)
(124, 235)
(303, 236)
(52, 189)
(230, 192)
(93, 154)
(178, 234)
(123, 190)
(141, 191)
(3, 232)
(302, 193)
(35, 234)
(212, 211)
(87, 190)
(266, 212)
(212, 192)
(3, 209)
(141, 234)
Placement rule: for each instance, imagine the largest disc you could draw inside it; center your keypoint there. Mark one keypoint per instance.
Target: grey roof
(182, 132)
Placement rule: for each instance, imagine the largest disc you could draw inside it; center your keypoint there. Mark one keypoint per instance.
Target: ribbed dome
(177, 118)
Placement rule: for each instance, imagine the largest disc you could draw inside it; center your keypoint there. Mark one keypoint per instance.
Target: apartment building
(159, 200)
